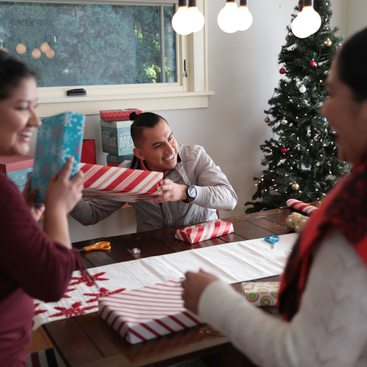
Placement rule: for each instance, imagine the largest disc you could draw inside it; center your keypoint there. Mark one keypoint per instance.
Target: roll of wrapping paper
(301, 206)
(296, 222)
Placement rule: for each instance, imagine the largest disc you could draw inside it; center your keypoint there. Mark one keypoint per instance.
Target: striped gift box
(147, 313)
(118, 183)
(204, 231)
(301, 206)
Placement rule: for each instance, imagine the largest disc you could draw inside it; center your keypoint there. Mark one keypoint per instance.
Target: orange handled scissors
(98, 246)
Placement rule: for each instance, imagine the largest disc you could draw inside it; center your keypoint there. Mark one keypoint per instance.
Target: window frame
(189, 92)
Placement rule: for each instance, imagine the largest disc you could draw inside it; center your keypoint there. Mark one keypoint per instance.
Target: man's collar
(137, 163)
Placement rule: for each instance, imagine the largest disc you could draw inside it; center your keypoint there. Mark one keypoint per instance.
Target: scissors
(98, 246)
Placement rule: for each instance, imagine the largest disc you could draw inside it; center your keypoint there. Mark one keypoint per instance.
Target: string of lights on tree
(301, 158)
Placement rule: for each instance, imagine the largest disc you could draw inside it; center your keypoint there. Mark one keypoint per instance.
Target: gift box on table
(261, 293)
(147, 313)
(88, 151)
(58, 138)
(124, 184)
(116, 160)
(115, 131)
(18, 168)
(204, 231)
(117, 115)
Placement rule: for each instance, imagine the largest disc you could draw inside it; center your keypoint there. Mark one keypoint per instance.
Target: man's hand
(193, 286)
(170, 191)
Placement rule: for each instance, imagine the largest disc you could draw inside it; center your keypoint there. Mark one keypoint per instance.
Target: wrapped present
(118, 183)
(116, 138)
(117, 115)
(116, 160)
(296, 221)
(146, 313)
(58, 138)
(18, 168)
(301, 206)
(204, 231)
(88, 151)
(261, 293)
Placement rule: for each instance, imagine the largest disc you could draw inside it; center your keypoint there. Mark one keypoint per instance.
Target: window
(124, 54)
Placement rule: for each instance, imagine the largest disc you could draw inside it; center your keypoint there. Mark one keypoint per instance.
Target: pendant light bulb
(307, 22)
(245, 18)
(196, 17)
(181, 20)
(227, 17)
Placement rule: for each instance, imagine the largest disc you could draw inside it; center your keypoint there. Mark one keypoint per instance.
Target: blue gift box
(59, 137)
(116, 138)
(17, 168)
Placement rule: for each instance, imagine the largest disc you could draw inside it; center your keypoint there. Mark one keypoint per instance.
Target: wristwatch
(191, 193)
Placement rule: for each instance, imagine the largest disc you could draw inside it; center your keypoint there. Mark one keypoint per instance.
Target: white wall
(243, 72)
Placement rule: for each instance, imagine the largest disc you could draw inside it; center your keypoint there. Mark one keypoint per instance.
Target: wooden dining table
(88, 340)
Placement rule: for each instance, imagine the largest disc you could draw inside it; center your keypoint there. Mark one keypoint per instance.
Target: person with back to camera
(33, 263)
(322, 297)
(193, 188)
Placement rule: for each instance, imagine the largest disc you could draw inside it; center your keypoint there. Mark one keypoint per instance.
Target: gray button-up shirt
(195, 167)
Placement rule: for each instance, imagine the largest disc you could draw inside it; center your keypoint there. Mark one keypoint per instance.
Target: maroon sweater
(31, 266)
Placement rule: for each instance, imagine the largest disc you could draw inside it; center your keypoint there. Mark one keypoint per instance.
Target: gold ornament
(36, 53)
(295, 186)
(284, 121)
(267, 119)
(21, 49)
(328, 42)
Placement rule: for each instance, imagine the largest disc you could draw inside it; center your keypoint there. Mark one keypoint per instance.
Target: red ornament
(282, 71)
(313, 63)
(284, 150)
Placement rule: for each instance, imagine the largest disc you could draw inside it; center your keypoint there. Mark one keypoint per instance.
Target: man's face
(158, 148)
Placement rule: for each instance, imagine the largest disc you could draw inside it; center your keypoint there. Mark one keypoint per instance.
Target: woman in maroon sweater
(34, 263)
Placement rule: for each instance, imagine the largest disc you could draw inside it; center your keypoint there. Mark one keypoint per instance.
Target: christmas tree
(301, 158)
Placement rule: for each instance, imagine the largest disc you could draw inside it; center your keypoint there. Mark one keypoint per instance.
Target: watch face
(191, 192)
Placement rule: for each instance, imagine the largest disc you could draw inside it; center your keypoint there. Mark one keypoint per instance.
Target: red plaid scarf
(345, 209)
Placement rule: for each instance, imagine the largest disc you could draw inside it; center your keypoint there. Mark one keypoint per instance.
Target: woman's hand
(193, 286)
(63, 193)
(30, 198)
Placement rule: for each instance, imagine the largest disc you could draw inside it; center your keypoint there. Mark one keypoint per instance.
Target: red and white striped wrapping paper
(204, 231)
(147, 313)
(301, 206)
(123, 184)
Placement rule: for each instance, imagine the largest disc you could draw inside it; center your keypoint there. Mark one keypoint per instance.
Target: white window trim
(191, 91)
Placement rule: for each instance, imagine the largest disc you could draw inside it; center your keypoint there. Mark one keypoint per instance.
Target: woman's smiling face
(18, 118)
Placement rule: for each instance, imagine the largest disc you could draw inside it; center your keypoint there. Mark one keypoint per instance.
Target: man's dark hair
(143, 121)
(12, 72)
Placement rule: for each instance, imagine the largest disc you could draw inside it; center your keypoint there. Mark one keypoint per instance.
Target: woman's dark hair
(143, 121)
(352, 64)
(12, 72)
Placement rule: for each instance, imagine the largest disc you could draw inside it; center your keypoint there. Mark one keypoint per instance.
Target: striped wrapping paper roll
(118, 183)
(301, 206)
(143, 314)
(204, 231)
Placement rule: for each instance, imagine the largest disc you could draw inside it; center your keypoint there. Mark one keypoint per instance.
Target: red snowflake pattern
(88, 279)
(103, 292)
(37, 312)
(68, 291)
(74, 310)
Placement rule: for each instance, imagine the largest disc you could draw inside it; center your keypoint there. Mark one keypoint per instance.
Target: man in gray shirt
(191, 191)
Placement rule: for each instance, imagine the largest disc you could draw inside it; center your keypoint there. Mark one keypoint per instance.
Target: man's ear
(138, 153)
